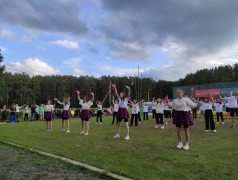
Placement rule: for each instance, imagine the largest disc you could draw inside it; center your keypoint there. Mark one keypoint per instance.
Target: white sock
(180, 142)
(187, 143)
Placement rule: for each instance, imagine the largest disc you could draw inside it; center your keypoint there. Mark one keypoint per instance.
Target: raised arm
(113, 100)
(129, 92)
(56, 100)
(115, 89)
(92, 96)
(78, 94)
(192, 89)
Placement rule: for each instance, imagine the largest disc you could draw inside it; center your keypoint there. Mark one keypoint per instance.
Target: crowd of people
(182, 111)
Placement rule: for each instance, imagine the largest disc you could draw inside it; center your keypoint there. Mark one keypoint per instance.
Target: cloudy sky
(167, 39)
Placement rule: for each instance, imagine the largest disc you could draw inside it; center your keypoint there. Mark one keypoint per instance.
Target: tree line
(22, 88)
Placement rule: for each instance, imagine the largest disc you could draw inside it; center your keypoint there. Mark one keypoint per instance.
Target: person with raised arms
(182, 118)
(210, 125)
(115, 109)
(66, 113)
(85, 114)
(99, 111)
(122, 112)
(232, 104)
(134, 114)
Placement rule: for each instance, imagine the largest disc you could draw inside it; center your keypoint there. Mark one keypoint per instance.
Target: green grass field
(149, 154)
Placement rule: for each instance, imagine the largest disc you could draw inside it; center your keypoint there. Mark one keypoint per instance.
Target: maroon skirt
(123, 113)
(66, 114)
(48, 115)
(85, 114)
(182, 118)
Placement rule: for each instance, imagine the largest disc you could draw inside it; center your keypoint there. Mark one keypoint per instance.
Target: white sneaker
(214, 130)
(180, 145)
(156, 126)
(223, 123)
(67, 131)
(127, 138)
(1, 123)
(162, 127)
(217, 122)
(4, 122)
(207, 130)
(85, 134)
(100, 123)
(116, 136)
(139, 122)
(186, 147)
(82, 132)
(166, 123)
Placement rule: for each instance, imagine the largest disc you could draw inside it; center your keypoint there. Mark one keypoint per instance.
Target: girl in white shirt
(85, 114)
(154, 104)
(99, 111)
(122, 112)
(182, 117)
(160, 113)
(49, 114)
(219, 110)
(209, 114)
(115, 109)
(145, 111)
(134, 113)
(66, 113)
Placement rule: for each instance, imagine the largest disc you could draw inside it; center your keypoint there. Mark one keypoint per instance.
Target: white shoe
(85, 134)
(217, 122)
(207, 130)
(223, 123)
(4, 122)
(116, 136)
(139, 122)
(214, 130)
(82, 132)
(100, 123)
(156, 126)
(67, 131)
(180, 145)
(127, 138)
(186, 147)
(162, 127)
(1, 123)
(166, 123)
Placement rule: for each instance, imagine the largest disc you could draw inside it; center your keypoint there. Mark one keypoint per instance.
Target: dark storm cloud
(202, 26)
(50, 16)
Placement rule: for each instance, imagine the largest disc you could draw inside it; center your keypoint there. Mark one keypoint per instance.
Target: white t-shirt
(207, 106)
(219, 107)
(154, 104)
(99, 107)
(135, 108)
(66, 106)
(166, 108)
(49, 108)
(18, 108)
(227, 105)
(85, 105)
(123, 104)
(145, 108)
(182, 104)
(232, 102)
(160, 108)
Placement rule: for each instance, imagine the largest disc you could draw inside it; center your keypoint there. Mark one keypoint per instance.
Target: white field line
(74, 162)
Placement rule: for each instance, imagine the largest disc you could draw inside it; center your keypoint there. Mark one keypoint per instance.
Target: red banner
(206, 92)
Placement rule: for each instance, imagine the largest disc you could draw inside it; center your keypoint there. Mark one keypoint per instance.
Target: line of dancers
(161, 109)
